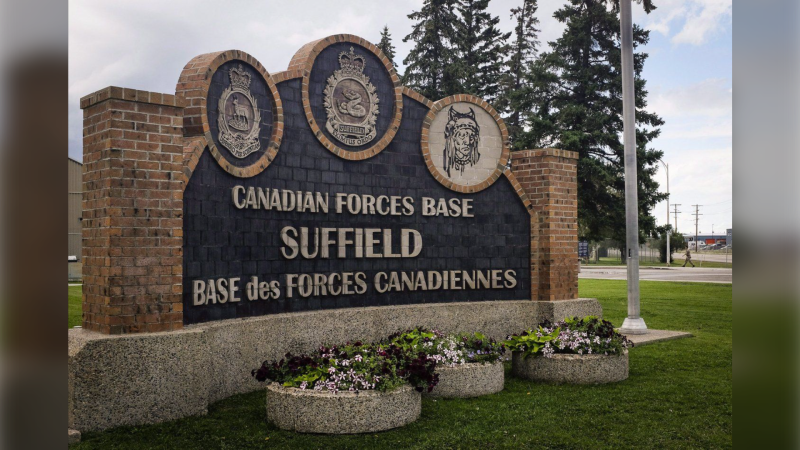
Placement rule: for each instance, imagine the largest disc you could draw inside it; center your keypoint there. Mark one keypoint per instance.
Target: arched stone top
(303, 62)
(193, 86)
(488, 115)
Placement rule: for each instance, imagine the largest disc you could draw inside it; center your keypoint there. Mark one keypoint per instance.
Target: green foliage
(429, 66)
(588, 335)
(386, 44)
(575, 102)
(530, 342)
(352, 367)
(480, 49)
(516, 96)
(676, 243)
(448, 349)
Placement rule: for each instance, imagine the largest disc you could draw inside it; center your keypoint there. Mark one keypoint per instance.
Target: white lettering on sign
(211, 292)
(304, 285)
(279, 199)
(317, 242)
(347, 242)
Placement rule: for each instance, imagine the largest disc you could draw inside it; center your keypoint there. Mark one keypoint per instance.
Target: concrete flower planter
(310, 411)
(469, 380)
(571, 369)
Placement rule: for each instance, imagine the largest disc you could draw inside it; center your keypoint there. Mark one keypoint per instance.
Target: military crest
(239, 118)
(351, 102)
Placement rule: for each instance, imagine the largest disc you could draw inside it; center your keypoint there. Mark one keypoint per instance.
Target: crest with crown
(352, 63)
(240, 78)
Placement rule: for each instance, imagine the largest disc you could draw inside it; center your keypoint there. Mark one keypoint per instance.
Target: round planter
(572, 369)
(469, 380)
(310, 411)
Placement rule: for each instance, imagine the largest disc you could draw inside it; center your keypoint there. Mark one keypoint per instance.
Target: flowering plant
(352, 367)
(589, 335)
(449, 350)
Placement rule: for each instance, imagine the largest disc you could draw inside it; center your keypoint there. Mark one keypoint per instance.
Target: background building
(74, 198)
(709, 239)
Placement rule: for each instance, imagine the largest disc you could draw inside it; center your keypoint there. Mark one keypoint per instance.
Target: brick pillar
(132, 211)
(549, 179)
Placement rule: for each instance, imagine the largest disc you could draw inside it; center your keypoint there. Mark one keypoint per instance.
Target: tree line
(566, 95)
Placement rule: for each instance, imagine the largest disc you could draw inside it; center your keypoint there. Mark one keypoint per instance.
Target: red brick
(131, 275)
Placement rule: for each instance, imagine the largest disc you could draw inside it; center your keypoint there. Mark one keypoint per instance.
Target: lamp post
(633, 324)
(669, 231)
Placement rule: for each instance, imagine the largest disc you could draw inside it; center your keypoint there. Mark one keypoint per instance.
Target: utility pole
(696, 222)
(633, 324)
(675, 212)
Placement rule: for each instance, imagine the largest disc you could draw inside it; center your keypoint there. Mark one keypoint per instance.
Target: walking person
(688, 258)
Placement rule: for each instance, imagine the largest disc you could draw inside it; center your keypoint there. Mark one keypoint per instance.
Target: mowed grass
(74, 310)
(679, 395)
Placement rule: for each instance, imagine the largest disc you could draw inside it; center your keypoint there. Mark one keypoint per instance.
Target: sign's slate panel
(444, 246)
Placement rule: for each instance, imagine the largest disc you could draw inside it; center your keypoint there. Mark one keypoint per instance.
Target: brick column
(549, 179)
(132, 211)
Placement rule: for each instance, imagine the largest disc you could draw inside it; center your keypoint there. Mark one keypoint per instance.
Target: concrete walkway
(690, 274)
(653, 336)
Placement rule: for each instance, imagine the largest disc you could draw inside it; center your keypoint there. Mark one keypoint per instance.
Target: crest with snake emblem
(351, 102)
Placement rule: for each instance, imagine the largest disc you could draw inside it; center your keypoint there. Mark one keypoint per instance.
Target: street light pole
(669, 231)
(633, 324)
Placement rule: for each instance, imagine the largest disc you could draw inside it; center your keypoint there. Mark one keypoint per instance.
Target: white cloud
(700, 110)
(696, 139)
(145, 44)
(693, 22)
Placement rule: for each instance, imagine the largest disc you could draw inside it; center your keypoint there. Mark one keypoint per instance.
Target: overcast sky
(144, 44)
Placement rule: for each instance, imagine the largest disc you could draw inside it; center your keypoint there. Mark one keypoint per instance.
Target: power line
(675, 212)
(712, 204)
(696, 226)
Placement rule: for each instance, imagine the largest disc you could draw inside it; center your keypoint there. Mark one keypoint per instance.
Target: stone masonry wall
(132, 211)
(549, 178)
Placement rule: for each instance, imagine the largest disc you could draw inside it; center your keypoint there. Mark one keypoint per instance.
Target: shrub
(589, 335)
(449, 350)
(352, 367)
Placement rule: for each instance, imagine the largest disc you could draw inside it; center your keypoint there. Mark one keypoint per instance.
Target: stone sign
(319, 204)
(364, 224)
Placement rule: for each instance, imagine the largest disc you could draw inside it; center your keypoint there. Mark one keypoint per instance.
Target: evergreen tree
(429, 67)
(386, 44)
(481, 50)
(516, 95)
(578, 86)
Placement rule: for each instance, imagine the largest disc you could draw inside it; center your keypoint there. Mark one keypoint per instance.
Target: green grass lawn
(679, 394)
(74, 308)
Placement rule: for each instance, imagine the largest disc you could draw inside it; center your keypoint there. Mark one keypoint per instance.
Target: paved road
(696, 274)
